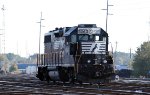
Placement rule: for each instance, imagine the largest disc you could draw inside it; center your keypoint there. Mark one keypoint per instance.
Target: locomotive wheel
(41, 77)
(54, 82)
(90, 83)
(71, 78)
(45, 76)
(80, 82)
(99, 84)
(107, 80)
(72, 81)
(47, 79)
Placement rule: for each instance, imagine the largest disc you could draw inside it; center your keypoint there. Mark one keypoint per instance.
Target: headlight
(104, 61)
(88, 61)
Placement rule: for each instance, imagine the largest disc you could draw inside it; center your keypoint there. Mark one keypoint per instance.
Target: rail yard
(24, 84)
(75, 53)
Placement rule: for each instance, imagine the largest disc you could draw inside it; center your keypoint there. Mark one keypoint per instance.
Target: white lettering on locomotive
(89, 31)
(58, 43)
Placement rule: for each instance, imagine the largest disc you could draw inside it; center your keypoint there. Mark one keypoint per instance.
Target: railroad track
(30, 85)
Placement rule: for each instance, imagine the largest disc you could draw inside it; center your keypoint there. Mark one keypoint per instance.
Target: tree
(13, 67)
(4, 63)
(15, 58)
(141, 62)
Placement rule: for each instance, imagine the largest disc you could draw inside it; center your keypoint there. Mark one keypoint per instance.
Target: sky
(129, 25)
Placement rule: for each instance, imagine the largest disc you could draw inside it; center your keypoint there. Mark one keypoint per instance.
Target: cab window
(83, 37)
(96, 38)
(104, 38)
(73, 38)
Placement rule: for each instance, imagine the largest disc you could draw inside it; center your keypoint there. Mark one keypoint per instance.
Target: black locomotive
(76, 54)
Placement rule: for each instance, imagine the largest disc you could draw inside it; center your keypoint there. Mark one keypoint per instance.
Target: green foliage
(8, 62)
(13, 67)
(3, 57)
(141, 63)
(12, 58)
(15, 58)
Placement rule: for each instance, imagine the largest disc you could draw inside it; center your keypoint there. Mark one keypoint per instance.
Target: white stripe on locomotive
(93, 47)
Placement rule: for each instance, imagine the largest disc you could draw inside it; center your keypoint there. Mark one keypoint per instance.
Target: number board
(89, 31)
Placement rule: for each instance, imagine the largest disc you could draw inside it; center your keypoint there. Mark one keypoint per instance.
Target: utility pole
(17, 48)
(149, 28)
(112, 48)
(115, 52)
(116, 46)
(130, 53)
(3, 9)
(0, 42)
(130, 60)
(3, 39)
(40, 22)
(107, 13)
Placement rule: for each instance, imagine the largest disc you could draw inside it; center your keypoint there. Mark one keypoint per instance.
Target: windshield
(83, 37)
